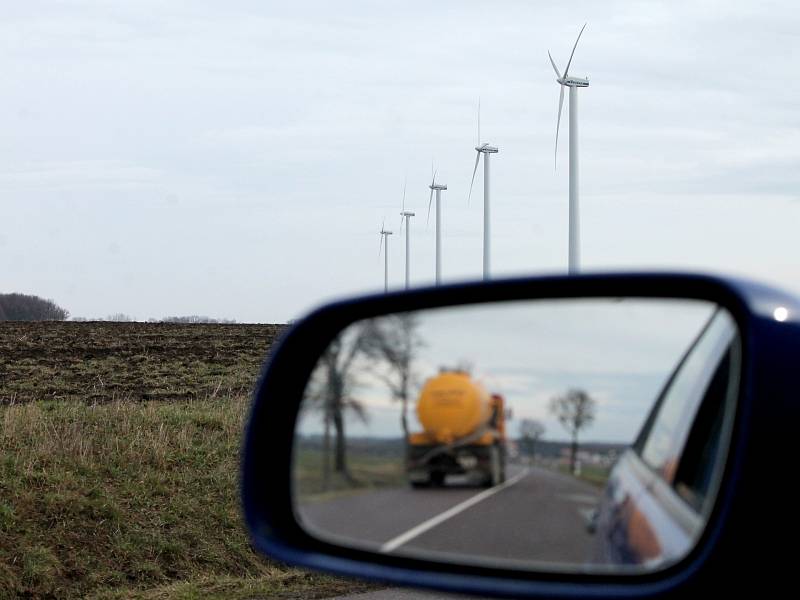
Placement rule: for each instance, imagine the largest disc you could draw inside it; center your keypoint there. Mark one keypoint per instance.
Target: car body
(661, 491)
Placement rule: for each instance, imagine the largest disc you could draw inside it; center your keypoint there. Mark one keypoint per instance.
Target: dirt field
(101, 362)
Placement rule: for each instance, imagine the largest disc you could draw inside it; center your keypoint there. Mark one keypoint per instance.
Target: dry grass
(131, 500)
(368, 471)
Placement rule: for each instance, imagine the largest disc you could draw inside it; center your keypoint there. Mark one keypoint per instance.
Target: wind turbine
(405, 216)
(385, 234)
(438, 188)
(573, 83)
(486, 150)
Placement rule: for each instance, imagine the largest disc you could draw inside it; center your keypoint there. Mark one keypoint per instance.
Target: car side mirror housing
(649, 412)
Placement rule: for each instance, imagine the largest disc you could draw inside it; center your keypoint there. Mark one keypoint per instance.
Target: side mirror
(379, 443)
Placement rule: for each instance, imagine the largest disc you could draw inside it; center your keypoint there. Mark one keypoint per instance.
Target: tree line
(190, 319)
(25, 307)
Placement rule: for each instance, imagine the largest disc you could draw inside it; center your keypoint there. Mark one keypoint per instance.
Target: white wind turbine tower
(573, 83)
(438, 188)
(385, 234)
(486, 150)
(405, 216)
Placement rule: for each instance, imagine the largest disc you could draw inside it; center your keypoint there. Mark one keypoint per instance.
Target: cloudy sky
(237, 159)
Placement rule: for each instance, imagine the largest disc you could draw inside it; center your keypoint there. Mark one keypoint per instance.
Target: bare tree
(395, 341)
(575, 410)
(531, 431)
(332, 390)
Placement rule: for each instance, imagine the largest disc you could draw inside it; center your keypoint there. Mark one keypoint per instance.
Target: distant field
(119, 453)
(101, 362)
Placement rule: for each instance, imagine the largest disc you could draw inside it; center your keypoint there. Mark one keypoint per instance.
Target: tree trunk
(340, 449)
(404, 400)
(574, 454)
(326, 452)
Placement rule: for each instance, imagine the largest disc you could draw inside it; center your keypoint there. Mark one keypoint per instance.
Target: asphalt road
(536, 516)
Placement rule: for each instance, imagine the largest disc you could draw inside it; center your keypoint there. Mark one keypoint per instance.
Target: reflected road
(537, 515)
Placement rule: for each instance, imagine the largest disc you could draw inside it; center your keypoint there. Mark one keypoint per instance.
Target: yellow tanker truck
(463, 432)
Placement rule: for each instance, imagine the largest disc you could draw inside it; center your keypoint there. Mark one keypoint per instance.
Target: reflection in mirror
(622, 411)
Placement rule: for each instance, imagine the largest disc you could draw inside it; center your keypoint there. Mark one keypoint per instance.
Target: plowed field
(101, 362)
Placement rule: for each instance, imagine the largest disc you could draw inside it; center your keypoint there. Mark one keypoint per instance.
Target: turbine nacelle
(407, 214)
(572, 81)
(434, 186)
(482, 149)
(384, 233)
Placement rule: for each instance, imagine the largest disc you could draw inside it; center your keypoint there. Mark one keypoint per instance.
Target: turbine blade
(569, 62)
(475, 170)
(558, 124)
(479, 119)
(552, 62)
(430, 201)
(405, 181)
(380, 248)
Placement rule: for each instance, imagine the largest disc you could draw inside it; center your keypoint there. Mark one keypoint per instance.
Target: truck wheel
(437, 478)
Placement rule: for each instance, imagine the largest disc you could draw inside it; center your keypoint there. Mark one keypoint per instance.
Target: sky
(237, 160)
(620, 352)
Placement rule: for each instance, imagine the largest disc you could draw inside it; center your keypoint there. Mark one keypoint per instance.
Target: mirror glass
(575, 434)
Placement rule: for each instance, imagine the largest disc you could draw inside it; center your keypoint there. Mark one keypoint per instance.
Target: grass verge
(132, 500)
(368, 471)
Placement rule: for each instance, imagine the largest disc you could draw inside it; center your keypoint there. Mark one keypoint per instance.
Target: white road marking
(409, 535)
(581, 498)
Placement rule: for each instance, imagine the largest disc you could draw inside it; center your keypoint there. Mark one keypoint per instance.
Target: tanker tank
(463, 432)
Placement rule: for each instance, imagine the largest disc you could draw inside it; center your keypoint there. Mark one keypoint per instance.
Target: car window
(667, 433)
(696, 471)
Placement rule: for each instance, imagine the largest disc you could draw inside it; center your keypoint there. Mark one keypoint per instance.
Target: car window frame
(658, 484)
